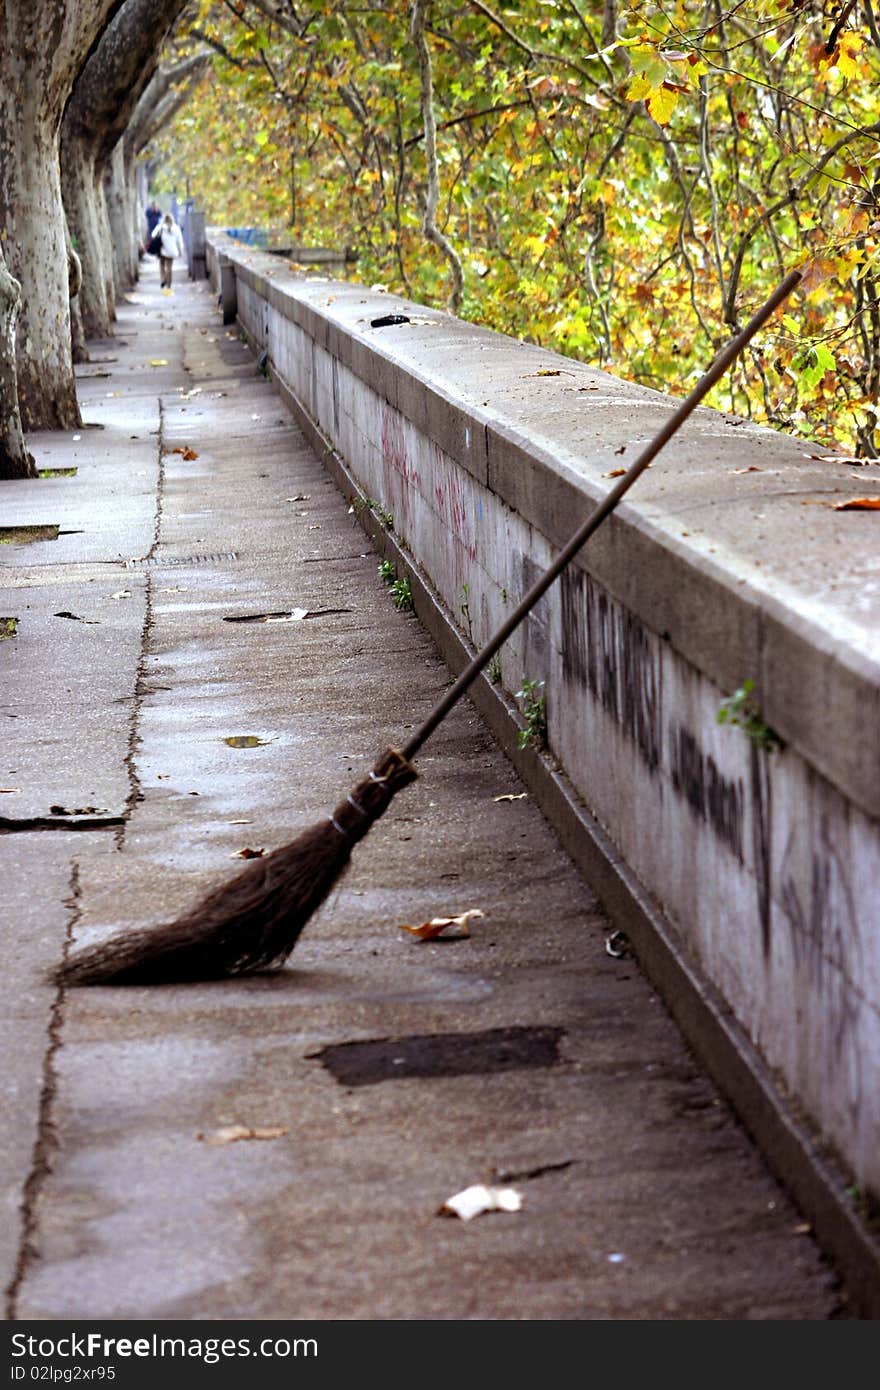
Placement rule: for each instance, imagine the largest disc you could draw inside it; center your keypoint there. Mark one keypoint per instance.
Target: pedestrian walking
(153, 215)
(170, 247)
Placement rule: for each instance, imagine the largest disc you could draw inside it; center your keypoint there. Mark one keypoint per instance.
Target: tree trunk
(101, 105)
(15, 461)
(33, 222)
(74, 284)
(43, 45)
(81, 203)
(125, 257)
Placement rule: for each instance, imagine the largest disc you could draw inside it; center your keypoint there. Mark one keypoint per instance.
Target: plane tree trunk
(43, 46)
(101, 105)
(15, 461)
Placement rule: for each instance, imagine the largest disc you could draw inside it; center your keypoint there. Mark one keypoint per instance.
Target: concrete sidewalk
(155, 727)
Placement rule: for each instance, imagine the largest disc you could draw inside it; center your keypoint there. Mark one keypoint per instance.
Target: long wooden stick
(725, 358)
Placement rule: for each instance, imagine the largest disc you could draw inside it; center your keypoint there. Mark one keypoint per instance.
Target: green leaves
(625, 202)
(812, 364)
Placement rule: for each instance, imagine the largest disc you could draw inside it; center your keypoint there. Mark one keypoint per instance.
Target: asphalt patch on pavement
(441, 1054)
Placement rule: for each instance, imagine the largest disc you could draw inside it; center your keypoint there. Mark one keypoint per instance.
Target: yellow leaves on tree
(652, 82)
(843, 57)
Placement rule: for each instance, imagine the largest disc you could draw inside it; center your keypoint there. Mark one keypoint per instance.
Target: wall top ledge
(730, 545)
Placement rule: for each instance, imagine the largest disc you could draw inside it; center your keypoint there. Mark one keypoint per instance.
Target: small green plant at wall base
(401, 593)
(465, 610)
(360, 504)
(387, 572)
(740, 710)
(8, 627)
(493, 670)
(534, 708)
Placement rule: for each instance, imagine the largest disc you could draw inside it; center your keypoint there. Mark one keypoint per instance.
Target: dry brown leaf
(858, 504)
(438, 925)
(752, 468)
(229, 1134)
(511, 796)
(248, 853)
(615, 473)
(188, 454)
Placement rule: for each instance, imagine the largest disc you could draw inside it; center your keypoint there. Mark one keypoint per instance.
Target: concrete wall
(726, 562)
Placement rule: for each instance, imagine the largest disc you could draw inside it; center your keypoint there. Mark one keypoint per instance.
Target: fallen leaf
(296, 615)
(438, 925)
(158, 361)
(187, 453)
(621, 450)
(228, 1134)
(858, 504)
(615, 473)
(511, 796)
(752, 468)
(473, 1201)
(246, 741)
(248, 853)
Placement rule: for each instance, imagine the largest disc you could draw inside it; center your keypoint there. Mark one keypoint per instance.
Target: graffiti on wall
(827, 950)
(398, 470)
(608, 650)
(716, 799)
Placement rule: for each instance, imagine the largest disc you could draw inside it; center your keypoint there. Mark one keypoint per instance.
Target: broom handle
(724, 360)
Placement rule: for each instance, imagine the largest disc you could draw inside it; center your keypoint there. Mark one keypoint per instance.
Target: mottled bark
(43, 45)
(101, 105)
(116, 195)
(74, 284)
(15, 461)
(82, 204)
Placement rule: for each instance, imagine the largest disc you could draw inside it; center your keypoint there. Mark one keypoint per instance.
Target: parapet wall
(725, 563)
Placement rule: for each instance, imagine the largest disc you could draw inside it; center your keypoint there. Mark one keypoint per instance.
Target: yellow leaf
(158, 361)
(639, 88)
(661, 104)
(848, 46)
(438, 925)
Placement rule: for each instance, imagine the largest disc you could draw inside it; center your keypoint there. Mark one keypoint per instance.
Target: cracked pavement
(196, 501)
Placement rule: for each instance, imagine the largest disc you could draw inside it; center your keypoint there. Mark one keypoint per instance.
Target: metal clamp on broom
(252, 923)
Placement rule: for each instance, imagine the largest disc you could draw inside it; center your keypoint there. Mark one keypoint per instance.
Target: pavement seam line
(135, 792)
(46, 1141)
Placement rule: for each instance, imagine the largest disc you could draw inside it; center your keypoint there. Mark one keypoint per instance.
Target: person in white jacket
(170, 247)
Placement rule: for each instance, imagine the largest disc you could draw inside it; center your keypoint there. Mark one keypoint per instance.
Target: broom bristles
(251, 923)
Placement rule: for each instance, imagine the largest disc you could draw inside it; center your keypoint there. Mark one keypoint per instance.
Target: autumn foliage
(622, 184)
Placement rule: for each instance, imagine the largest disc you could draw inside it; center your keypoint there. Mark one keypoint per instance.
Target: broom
(252, 923)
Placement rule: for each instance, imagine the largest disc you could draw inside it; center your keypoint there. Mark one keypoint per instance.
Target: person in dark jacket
(153, 215)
